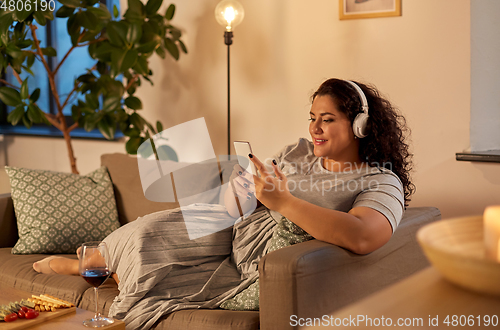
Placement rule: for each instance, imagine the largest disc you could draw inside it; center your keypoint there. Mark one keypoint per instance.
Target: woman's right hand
(241, 185)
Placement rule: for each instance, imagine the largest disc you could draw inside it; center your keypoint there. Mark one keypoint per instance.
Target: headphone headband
(360, 123)
(364, 102)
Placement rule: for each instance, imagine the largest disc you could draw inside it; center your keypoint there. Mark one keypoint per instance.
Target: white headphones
(360, 123)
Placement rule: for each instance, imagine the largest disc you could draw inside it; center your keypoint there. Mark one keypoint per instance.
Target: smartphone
(242, 149)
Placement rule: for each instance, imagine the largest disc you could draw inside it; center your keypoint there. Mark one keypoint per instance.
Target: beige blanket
(161, 270)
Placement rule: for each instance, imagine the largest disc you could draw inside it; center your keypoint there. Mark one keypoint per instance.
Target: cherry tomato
(37, 313)
(24, 309)
(31, 314)
(10, 317)
(21, 314)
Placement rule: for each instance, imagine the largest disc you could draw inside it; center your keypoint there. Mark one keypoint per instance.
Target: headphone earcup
(360, 125)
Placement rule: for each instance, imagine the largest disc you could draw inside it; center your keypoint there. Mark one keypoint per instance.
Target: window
(53, 34)
(485, 83)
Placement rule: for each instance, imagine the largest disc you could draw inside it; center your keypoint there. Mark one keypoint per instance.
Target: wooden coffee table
(72, 319)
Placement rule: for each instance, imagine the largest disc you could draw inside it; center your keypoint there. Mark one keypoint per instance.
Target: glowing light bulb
(229, 13)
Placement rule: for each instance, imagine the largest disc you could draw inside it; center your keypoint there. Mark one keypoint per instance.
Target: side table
(424, 300)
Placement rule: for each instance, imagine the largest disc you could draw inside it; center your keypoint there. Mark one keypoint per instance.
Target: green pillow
(286, 233)
(57, 212)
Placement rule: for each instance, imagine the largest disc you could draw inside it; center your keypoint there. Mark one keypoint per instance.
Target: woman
(342, 188)
(361, 227)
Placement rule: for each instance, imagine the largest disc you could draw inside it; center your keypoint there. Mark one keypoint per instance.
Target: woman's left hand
(271, 191)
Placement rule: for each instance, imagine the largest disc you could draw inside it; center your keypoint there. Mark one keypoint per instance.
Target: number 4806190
(28, 5)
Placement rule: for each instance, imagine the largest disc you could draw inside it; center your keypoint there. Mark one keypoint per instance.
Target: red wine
(96, 277)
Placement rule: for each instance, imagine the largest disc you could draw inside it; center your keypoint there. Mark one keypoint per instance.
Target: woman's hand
(241, 186)
(271, 191)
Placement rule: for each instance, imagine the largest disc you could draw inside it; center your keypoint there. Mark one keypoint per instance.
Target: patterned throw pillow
(57, 212)
(286, 233)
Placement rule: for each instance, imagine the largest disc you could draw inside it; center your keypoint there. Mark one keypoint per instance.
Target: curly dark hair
(385, 145)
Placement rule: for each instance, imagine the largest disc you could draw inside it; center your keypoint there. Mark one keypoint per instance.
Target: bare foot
(43, 266)
(57, 265)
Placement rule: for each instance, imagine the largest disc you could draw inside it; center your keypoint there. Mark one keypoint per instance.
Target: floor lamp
(229, 13)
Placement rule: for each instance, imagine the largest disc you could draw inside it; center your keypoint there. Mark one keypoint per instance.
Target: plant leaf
(172, 48)
(134, 33)
(137, 121)
(24, 14)
(28, 70)
(111, 103)
(129, 60)
(16, 115)
(10, 96)
(136, 11)
(159, 126)
(183, 47)
(103, 50)
(117, 33)
(70, 3)
(152, 7)
(100, 12)
(48, 14)
(42, 114)
(169, 14)
(92, 100)
(141, 66)
(116, 13)
(117, 56)
(49, 51)
(107, 128)
(149, 46)
(161, 52)
(73, 28)
(133, 103)
(90, 121)
(24, 89)
(14, 51)
(6, 20)
(146, 152)
(88, 20)
(133, 144)
(64, 11)
(34, 114)
(28, 123)
(176, 34)
(35, 95)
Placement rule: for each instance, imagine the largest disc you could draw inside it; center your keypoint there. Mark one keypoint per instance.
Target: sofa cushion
(8, 228)
(16, 271)
(209, 319)
(196, 179)
(57, 212)
(130, 200)
(285, 234)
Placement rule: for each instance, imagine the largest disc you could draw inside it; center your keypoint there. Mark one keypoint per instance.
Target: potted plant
(105, 93)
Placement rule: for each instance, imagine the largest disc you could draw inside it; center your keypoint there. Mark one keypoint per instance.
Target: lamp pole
(228, 40)
(229, 13)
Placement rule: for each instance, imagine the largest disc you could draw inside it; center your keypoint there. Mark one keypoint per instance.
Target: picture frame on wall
(354, 9)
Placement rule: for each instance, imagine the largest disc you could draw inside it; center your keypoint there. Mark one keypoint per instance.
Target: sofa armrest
(315, 278)
(8, 225)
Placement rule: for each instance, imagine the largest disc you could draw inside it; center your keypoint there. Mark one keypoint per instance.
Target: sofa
(309, 279)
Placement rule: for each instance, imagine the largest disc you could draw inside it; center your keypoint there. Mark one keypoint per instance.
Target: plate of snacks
(33, 310)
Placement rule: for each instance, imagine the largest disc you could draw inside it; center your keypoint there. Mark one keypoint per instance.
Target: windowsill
(50, 131)
(490, 156)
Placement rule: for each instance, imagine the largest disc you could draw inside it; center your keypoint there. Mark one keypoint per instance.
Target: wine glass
(95, 271)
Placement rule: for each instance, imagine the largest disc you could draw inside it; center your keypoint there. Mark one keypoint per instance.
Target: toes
(43, 266)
